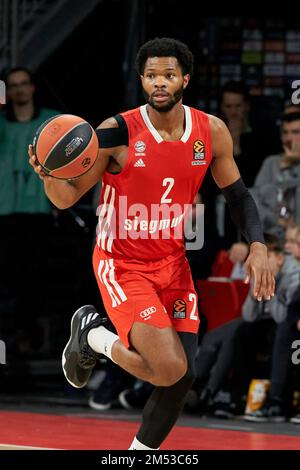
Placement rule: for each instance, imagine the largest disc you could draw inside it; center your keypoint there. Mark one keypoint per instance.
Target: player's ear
(186, 79)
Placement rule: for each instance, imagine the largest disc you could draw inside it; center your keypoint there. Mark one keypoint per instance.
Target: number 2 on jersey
(169, 182)
(193, 298)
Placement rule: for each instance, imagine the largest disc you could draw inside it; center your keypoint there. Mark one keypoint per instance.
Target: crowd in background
(46, 271)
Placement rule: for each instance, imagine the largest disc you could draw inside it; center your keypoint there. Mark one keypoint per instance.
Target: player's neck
(169, 125)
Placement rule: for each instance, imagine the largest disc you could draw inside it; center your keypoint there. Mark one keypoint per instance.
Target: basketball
(66, 146)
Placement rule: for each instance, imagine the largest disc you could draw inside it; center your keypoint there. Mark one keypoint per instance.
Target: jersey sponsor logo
(199, 153)
(179, 309)
(139, 163)
(147, 313)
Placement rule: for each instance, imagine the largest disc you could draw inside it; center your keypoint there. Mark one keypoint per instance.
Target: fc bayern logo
(140, 146)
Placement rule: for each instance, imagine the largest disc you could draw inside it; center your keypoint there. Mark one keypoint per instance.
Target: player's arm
(242, 208)
(65, 193)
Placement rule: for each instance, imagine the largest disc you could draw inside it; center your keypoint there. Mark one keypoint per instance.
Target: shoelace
(88, 357)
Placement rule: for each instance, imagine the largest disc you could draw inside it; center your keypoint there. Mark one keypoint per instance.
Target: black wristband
(243, 211)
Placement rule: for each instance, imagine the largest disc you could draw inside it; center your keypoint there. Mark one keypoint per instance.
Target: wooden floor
(36, 430)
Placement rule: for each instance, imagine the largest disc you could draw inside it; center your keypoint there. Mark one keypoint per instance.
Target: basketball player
(155, 155)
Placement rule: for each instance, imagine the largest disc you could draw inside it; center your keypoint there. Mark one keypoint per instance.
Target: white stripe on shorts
(114, 299)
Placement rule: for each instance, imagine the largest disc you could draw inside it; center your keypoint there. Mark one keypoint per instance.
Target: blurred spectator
(264, 320)
(24, 211)
(292, 240)
(251, 143)
(277, 185)
(279, 399)
(234, 346)
(114, 382)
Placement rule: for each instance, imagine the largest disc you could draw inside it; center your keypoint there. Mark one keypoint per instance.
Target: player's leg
(147, 347)
(165, 403)
(158, 356)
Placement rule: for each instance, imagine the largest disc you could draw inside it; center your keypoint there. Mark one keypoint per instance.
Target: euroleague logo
(147, 313)
(179, 309)
(85, 162)
(199, 153)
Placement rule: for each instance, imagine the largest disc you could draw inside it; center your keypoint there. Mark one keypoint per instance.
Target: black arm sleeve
(115, 136)
(243, 211)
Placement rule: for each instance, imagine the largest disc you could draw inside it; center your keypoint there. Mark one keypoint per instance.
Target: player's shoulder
(109, 123)
(217, 125)
(203, 116)
(114, 121)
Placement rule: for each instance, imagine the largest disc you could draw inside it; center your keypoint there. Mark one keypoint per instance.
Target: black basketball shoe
(78, 358)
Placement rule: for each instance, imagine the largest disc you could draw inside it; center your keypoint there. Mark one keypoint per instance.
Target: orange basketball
(66, 146)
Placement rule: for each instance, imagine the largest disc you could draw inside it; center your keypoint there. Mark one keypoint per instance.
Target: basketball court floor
(80, 428)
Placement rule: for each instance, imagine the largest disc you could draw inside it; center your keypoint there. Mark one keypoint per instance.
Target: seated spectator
(277, 185)
(230, 263)
(251, 143)
(234, 346)
(278, 405)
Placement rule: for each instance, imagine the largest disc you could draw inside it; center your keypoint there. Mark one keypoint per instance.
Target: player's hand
(257, 265)
(37, 168)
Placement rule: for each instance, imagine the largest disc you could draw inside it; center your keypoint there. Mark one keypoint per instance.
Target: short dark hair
(273, 243)
(165, 47)
(235, 86)
(290, 117)
(9, 72)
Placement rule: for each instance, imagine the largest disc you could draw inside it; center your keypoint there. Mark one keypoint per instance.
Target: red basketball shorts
(158, 293)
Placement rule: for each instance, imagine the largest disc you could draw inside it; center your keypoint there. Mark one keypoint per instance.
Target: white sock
(101, 340)
(137, 445)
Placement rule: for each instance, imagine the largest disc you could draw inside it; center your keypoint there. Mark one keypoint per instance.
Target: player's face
(163, 82)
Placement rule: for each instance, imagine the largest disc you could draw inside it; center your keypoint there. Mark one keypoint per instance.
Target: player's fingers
(248, 273)
(32, 161)
(263, 285)
(39, 170)
(273, 286)
(269, 284)
(257, 282)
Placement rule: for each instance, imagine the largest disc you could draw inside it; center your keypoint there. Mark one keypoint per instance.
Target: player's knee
(170, 372)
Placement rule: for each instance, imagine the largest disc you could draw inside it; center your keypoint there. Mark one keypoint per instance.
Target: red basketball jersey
(142, 209)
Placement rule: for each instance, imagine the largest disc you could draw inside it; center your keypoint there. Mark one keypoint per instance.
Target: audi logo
(148, 311)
